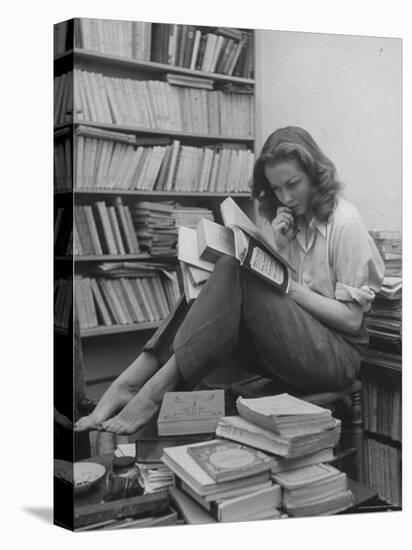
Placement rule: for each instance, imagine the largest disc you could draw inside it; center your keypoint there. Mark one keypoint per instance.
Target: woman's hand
(283, 227)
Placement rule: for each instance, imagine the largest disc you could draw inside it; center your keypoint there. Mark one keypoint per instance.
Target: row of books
(268, 458)
(63, 162)
(131, 39)
(108, 164)
(215, 50)
(124, 300)
(63, 36)
(385, 470)
(63, 232)
(63, 300)
(101, 228)
(222, 50)
(382, 406)
(384, 320)
(151, 104)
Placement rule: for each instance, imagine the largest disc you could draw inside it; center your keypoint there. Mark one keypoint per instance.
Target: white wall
(346, 91)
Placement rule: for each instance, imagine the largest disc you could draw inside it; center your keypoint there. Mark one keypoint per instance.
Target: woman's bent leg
(291, 344)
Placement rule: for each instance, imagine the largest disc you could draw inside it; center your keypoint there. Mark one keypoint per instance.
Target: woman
(310, 339)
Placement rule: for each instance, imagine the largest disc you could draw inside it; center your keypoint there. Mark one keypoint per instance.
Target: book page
(233, 215)
(188, 251)
(241, 242)
(262, 263)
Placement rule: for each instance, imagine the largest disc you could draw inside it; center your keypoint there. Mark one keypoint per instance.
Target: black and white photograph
(228, 285)
(227, 224)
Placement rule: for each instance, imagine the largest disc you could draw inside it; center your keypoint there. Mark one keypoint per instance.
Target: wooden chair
(345, 404)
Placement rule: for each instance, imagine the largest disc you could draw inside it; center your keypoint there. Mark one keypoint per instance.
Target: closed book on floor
(190, 412)
(188, 470)
(226, 460)
(309, 494)
(285, 414)
(238, 429)
(242, 507)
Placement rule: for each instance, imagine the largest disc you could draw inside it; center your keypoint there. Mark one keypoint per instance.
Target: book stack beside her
(301, 436)
(384, 320)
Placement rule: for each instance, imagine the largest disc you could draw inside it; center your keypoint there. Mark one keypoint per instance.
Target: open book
(242, 239)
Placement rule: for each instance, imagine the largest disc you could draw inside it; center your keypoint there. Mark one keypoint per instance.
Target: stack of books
(231, 482)
(315, 490)
(198, 250)
(155, 227)
(190, 216)
(154, 475)
(384, 320)
(302, 437)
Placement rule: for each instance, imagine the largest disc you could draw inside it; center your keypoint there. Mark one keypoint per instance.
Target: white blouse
(340, 260)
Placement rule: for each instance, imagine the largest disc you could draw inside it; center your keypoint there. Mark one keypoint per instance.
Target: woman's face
(292, 187)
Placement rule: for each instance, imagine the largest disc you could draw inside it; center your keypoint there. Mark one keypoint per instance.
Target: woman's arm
(343, 316)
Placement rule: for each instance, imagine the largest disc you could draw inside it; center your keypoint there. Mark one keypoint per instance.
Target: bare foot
(135, 415)
(86, 423)
(145, 404)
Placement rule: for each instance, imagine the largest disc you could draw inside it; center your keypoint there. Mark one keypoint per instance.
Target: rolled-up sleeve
(358, 267)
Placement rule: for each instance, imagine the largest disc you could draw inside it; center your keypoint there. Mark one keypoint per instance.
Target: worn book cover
(190, 412)
(225, 460)
(285, 414)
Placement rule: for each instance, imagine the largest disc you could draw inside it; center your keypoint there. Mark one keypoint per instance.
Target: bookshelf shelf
(146, 66)
(155, 132)
(106, 257)
(118, 329)
(151, 194)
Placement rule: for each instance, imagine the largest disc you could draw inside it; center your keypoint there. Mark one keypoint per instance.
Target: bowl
(86, 475)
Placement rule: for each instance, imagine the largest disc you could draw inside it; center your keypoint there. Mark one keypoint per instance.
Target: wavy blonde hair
(294, 143)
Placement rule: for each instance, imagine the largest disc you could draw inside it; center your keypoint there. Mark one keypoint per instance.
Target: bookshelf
(195, 142)
(381, 374)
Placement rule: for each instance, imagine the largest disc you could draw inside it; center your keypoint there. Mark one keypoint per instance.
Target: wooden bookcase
(107, 350)
(382, 405)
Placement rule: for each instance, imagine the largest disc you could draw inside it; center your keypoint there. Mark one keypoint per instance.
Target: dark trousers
(238, 315)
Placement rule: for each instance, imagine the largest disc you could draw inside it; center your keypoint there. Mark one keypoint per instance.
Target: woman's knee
(227, 264)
